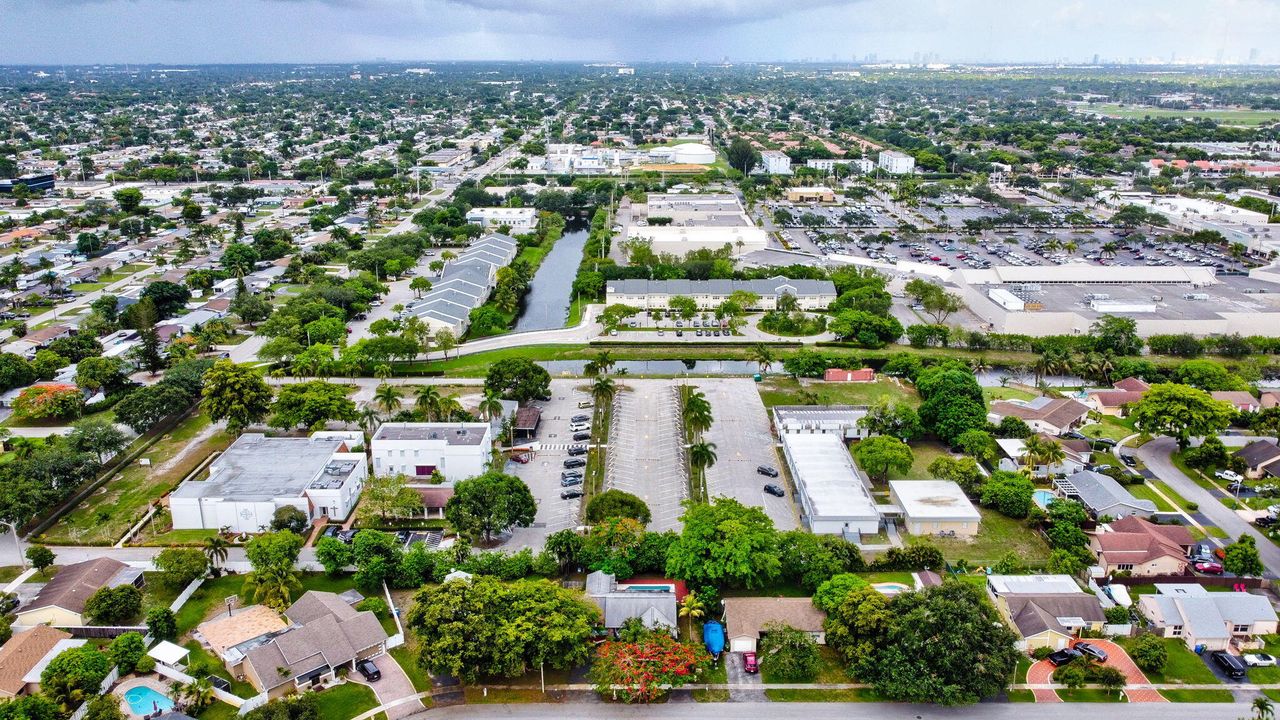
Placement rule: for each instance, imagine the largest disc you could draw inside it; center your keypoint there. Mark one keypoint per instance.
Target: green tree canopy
(235, 393)
(1181, 412)
(488, 504)
(725, 543)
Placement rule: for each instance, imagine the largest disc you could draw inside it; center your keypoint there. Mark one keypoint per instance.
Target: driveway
(1156, 455)
(738, 676)
(1041, 673)
(393, 686)
(1120, 660)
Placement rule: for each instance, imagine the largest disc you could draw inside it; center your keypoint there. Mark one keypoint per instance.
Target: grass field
(924, 453)
(211, 595)
(407, 656)
(1198, 696)
(1092, 695)
(1228, 117)
(346, 701)
(107, 514)
(849, 695)
(1110, 427)
(831, 669)
(997, 537)
(1143, 492)
(788, 391)
(1183, 666)
(716, 675)
(1006, 393)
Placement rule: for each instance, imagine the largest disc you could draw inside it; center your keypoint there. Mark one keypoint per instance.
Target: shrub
(1149, 653)
(51, 400)
(375, 605)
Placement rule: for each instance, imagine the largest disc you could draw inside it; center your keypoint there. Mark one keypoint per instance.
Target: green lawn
(9, 573)
(203, 658)
(1111, 427)
(924, 453)
(1183, 666)
(87, 287)
(407, 656)
(831, 669)
(788, 391)
(1006, 393)
(106, 515)
(1021, 696)
(850, 695)
(346, 701)
(717, 674)
(218, 711)
(1198, 696)
(172, 537)
(1145, 493)
(1226, 116)
(210, 595)
(1092, 695)
(997, 536)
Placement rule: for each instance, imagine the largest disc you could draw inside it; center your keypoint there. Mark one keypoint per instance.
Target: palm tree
(1039, 451)
(428, 401)
(449, 408)
(382, 371)
(602, 364)
(979, 365)
(697, 413)
(387, 397)
(1262, 709)
(490, 405)
(198, 694)
(274, 586)
(702, 455)
(1070, 246)
(1109, 249)
(603, 390)
(763, 356)
(369, 419)
(215, 548)
(691, 608)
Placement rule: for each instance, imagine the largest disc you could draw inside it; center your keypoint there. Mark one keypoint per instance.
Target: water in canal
(546, 306)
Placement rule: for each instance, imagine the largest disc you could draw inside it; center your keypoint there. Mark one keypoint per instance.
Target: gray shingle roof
(1099, 492)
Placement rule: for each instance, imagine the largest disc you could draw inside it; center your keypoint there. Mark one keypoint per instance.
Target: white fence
(185, 595)
(103, 689)
(175, 674)
(398, 639)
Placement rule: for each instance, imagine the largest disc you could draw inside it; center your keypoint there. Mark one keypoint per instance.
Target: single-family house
(1239, 399)
(1141, 548)
(1076, 456)
(229, 637)
(1269, 399)
(1116, 401)
(61, 601)
(1045, 610)
(1261, 458)
(934, 507)
(1214, 620)
(26, 653)
(654, 604)
(1102, 495)
(745, 619)
(1042, 414)
(326, 634)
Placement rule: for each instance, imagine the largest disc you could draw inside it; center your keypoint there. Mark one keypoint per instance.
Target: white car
(1228, 475)
(1260, 660)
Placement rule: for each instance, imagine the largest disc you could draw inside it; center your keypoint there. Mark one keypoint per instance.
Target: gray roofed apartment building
(464, 284)
(655, 608)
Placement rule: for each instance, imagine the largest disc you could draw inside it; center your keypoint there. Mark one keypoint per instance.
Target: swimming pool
(144, 700)
(1043, 498)
(890, 588)
(646, 588)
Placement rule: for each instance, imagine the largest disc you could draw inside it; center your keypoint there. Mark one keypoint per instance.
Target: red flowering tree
(50, 400)
(641, 671)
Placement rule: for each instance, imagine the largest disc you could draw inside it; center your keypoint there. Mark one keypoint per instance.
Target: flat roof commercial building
(654, 294)
(692, 222)
(514, 218)
(457, 450)
(935, 507)
(839, 420)
(257, 475)
(833, 494)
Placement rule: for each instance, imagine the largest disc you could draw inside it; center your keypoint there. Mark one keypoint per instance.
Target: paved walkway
(1041, 674)
(1120, 660)
(394, 689)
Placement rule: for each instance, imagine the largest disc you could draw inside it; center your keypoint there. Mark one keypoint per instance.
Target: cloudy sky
(215, 31)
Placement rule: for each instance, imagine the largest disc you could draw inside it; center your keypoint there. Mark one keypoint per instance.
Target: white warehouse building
(457, 450)
(833, 495)
(493, 217)
(257, 475)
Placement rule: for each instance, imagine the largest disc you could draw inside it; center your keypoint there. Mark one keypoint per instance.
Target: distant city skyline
(245, 31)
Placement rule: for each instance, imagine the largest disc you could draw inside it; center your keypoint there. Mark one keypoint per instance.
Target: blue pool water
(144, 701)
(1043, 498)
(648, 588)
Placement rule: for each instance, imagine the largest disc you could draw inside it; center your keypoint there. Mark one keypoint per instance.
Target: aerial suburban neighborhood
(708, 374)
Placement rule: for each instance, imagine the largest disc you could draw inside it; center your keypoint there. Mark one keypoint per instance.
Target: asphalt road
(832, 711)
(1156, 454)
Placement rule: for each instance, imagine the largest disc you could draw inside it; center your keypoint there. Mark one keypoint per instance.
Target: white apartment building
(514, 218)
(776, 162)
(457, 450)
(896, 163)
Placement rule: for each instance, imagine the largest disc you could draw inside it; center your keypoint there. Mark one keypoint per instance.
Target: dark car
(774, 490)
(1265, 521)
(1230, 665)
(580, 418)
(579, 437)
(331, 531)
(1092, 651)
(577, 450)
(1064, 656)
(369, 670)
(1103, 442)
(1074, 435)
(570, 494)
(348, 536)
(575, 462)
(544, 398)
(1128, 460)
(767, 471)
(570, 481)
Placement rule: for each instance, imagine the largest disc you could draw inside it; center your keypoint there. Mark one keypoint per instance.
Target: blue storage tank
(713, 637)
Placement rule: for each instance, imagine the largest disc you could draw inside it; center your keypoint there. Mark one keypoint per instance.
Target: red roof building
(841, 375)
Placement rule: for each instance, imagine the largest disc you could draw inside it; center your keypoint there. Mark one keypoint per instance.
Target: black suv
(767, 471)
(1064, 656)
(579, 437)
(570, 494)
(1230, 665)
(577, 450)
(369, 670)
(774, 490)
(580, 418)
(575, 462)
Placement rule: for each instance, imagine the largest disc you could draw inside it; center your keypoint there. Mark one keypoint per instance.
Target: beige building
(811, 194)
(229, 636)
(25, 653)
(1141, 548)
(1216, 620)
(60, 603)
(934, 507)
(708, 294)
(1045, 610)
(746, 617)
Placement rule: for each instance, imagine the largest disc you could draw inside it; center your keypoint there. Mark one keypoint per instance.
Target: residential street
(1156, 454)
(827, 711)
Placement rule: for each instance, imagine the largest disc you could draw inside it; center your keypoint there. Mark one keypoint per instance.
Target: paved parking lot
(742, 433)
(542, 474)
(645, 451)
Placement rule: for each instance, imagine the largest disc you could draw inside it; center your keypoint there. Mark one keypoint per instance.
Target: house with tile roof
(26, 651)
(1116, 401)
(60, 603)
(1141, 548)
(1261, 458)
(1042, 414)
(1215, 620)
(745, 619)
(1239, 399)
(325, 635)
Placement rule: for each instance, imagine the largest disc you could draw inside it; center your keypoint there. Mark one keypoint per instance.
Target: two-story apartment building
(654, 294)
(1215, 620)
